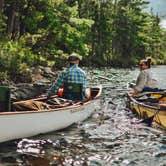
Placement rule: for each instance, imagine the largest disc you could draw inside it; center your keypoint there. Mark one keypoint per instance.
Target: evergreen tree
(129, 23)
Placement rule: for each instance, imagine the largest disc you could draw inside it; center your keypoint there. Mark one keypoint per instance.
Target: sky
(159, 7)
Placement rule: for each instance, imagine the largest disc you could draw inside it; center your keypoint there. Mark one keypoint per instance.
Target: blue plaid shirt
(73, 74)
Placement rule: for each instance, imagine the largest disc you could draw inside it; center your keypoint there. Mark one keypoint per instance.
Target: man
(72, 80)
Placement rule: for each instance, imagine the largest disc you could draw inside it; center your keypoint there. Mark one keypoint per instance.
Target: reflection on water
(109, 137)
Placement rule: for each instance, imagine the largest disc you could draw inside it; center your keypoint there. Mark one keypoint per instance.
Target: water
(109, 137)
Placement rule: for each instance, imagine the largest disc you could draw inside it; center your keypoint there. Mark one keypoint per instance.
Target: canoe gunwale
(150, 108)
(143, 104)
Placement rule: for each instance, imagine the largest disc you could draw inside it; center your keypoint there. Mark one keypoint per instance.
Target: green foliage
(64, 31)
(128, 22)
(13, 56)
(32, 22)
(44, 32)
(3, 76)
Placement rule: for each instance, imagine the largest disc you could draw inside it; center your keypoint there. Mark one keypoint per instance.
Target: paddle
(45, 97)
(149, 120)
(149, 93)
(151, 99)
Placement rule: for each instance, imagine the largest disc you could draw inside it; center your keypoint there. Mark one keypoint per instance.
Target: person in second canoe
(72, 81)
(146, 81)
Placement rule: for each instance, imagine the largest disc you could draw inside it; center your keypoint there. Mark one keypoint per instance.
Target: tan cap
(73, 57)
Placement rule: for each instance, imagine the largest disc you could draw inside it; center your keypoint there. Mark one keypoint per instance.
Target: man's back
(72, 80)
(74, 83)
(74, 74)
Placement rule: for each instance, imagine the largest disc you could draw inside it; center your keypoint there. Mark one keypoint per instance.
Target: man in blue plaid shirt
(72, 80)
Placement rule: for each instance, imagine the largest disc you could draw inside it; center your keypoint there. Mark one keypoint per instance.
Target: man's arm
(56, 85)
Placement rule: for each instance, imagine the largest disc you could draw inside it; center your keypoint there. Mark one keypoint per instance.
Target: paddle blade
(148, 120)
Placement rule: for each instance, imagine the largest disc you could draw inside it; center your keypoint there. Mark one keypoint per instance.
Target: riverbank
(39, 80)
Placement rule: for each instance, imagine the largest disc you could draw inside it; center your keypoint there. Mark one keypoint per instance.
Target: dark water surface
(108, 138)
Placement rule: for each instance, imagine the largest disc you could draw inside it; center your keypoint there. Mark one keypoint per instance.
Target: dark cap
(73, 57)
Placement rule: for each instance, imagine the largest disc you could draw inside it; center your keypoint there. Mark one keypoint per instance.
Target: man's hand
(132, 92)
(131, 85)
(42, 95)
(48, 96)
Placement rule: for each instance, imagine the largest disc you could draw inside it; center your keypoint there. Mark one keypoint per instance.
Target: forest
(105, 33)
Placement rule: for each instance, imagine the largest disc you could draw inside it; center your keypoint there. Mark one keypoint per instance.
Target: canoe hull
(144, 111)
(14, 125)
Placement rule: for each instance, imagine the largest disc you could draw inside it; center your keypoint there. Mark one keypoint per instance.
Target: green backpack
(73, 91)
(5, 102)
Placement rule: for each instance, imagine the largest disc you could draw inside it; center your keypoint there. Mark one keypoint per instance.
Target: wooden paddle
(149, 93)
(149, 120)
(45, 97)
(152, 99)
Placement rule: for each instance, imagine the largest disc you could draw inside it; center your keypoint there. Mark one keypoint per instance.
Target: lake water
(109, 138)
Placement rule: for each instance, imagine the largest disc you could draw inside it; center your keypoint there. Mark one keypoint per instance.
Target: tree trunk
(11, 18)
(13, 22)
(25, 13)
(16, 27)
(1, 5)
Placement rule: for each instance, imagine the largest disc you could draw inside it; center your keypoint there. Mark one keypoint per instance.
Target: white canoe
(21, 124)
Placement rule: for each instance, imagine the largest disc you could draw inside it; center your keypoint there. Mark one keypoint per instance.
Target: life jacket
(72, 91)
(60, 92)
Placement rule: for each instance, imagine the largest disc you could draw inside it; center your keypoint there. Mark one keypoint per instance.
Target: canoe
(149, 105)
(26, 123)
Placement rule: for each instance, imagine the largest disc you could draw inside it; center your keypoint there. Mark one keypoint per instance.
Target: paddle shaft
(156, 112)
(164, 95)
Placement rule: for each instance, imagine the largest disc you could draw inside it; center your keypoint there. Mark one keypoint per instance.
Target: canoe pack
(29, 105)
(42, 104)
(5, 102)
(72, 91)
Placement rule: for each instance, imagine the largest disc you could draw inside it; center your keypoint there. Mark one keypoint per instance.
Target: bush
(15, 58)
(3, 76)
